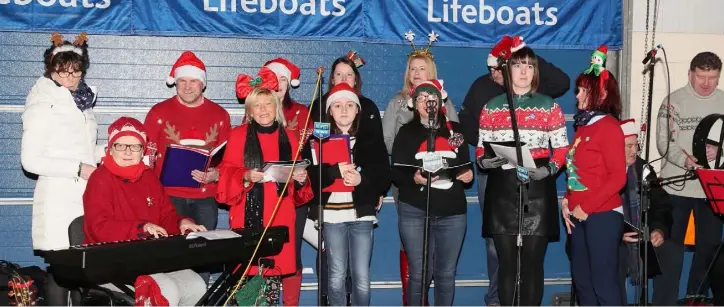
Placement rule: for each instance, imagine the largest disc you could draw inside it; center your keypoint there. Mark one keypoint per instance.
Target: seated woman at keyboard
(125, 201)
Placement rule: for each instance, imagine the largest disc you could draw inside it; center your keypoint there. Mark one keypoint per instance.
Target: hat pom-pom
(443, 94)
(170, 81)
(294, 83)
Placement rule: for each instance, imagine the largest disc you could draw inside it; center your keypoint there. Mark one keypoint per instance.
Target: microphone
(431, 107)
(651, 54)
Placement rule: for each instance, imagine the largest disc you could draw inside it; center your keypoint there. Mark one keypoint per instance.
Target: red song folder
(335, 149)
(712, 180)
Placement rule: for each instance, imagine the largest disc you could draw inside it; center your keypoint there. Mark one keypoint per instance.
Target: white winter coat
(57, 137)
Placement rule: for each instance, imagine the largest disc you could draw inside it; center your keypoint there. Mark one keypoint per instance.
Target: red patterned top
(541, 126)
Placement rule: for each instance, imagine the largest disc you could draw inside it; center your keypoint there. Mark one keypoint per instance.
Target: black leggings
(532, 256)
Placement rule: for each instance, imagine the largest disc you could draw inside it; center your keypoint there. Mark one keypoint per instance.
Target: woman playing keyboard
(124, 200)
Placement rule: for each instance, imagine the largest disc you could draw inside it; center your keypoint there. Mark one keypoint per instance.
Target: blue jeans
(446, 240)
(491, 255)
(595, 245)
(348, 241)
(204, 211)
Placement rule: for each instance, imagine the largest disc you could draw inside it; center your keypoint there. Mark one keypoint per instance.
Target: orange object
(690, 238)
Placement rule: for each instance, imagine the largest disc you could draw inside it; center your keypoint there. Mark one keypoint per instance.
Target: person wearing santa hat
(592, 208)
(349, 216)
(346, 69)
(189, 118)
(448, 205)
(542, 128)
(553, 82)
(253, 200)
(659, 215)
(420, 67)
(125, 200)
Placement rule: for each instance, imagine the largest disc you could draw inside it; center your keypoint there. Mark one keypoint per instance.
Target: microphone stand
(643, 271)
(432, 108)
(320, 206)
(522, 187)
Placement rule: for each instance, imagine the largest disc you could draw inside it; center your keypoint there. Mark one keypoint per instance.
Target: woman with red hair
(596, 171)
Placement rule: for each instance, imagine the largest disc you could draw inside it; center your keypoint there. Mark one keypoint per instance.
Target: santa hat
(433, 86)
(505, 48)
(187, 65)
(284, 68)
(628, 126)
(601, 51)
(126, 126)
(342, 90)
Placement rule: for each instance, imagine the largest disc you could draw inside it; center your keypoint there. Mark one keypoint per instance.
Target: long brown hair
(357, 77)
(352, 129)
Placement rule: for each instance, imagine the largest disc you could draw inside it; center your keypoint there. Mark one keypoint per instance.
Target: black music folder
(654, 267)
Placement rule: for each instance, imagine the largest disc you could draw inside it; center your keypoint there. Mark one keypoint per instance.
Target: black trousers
(532, 255)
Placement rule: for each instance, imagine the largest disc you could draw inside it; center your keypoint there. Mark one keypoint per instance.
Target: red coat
(232, 191)
(116, 209)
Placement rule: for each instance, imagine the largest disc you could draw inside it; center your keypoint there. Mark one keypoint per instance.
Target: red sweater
(171, 122)
(596, 167)
(116, 209)
(296, 115)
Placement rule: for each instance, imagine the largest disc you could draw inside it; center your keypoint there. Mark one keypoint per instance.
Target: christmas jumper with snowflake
(540, 122)
(170, 122)
(596, 166)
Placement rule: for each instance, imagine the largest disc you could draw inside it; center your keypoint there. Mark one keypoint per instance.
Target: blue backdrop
(568, 24)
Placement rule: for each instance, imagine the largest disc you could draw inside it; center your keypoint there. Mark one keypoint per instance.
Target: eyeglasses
(422, 98)
(123, 147)
(66, 74)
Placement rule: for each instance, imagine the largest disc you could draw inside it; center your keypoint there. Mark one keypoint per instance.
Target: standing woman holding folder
(596, 169)
(542, 128)
(352, 180)
(448, 206)
(242, 186)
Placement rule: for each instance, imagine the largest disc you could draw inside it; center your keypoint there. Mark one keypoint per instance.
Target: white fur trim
(66, 48)
(492, 61)
(342, 94)
(191, 72)
(294, 83)
(281, 70)
(629, 128)
(522, 44)
(441, 184)
(444, 154)
(170, 81)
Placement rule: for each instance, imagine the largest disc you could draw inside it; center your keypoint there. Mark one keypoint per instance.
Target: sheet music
(508, 152)
(280, 172)
(218, 234)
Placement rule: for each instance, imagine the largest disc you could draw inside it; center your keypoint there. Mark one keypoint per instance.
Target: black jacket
(370, 120)
(660, 206)
(442, 202)
(553, 82)
(370, 155)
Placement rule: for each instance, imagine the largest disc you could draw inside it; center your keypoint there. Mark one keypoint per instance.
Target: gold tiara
(424, 52)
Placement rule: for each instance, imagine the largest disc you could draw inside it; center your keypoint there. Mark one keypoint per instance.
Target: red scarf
(132, 173)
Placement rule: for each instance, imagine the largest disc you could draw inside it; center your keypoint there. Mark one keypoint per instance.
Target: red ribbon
(266, 78)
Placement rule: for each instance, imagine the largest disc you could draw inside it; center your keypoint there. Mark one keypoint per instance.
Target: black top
(553, 82)
(370, 155)
(660, 208)
(446, 202)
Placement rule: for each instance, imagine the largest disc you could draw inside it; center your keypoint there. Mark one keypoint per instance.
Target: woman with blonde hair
(263, 138)
(420, 68)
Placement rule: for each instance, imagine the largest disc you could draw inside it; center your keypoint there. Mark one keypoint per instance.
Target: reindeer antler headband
(425, 52)
(57, 40)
